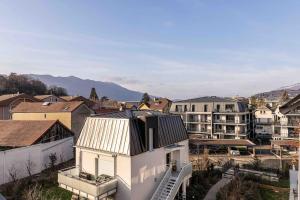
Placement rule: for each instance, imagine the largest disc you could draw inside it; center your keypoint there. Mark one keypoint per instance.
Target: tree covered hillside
(15, 83)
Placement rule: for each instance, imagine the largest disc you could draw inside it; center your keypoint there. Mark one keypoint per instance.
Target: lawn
(269, 194)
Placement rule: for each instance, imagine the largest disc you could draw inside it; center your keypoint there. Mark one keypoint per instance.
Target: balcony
(103, 187)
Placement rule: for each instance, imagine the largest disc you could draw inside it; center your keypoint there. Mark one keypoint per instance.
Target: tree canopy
(15, 83)
(145, 99)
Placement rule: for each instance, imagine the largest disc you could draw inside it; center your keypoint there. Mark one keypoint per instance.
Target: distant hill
(77, 86)
(293, 91)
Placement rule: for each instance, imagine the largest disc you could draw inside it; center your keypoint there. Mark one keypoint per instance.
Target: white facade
(111, 146)
(264, 122)
(17, 159)
(138, 176)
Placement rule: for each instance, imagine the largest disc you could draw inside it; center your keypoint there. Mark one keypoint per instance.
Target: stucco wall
(64, 118)
(17, 159)
(149, 167)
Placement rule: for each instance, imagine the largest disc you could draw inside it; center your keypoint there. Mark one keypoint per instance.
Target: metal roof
(126, 135)
(111, 135)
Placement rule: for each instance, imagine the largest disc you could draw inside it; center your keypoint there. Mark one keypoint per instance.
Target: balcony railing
(69, 179)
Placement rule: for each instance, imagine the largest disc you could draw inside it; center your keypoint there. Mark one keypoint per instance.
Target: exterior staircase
(171, 183)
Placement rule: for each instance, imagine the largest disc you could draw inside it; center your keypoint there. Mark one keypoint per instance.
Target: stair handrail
(164, 179)
(185, 170)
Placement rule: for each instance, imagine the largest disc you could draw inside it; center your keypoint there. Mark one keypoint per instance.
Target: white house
(264, 116)
(130, 155)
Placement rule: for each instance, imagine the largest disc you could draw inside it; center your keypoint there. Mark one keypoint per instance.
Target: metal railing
(185, 171)
(163, 181)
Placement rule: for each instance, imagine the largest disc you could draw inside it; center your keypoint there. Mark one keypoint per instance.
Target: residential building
(130, 155)
(49, 98)
(215, 117)
(9, 101)
(157, 104)
(264, 121)
(286, 122)
(87, 102)
(72, 114)
(22, 133)
(27, 147)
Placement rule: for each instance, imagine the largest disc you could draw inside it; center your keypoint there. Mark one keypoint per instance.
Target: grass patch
(55, 192)
(273, 195)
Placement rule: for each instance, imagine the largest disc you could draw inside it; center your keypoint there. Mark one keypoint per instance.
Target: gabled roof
(6, 99)
(159, 104)
(290, 105)
(88, 102)
(42, 97)
(126, 134)
(14, 133)
(45, 107)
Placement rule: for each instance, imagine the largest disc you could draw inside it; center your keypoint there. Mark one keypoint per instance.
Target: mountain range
(293, 90)
(78, 86)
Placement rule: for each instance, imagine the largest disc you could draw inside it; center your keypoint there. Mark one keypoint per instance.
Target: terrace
(87, 185)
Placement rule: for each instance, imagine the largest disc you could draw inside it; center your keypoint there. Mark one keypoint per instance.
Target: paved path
(211, 195)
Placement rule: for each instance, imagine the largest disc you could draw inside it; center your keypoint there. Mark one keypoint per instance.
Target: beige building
(71, 114)
(9, 101)
(130, 155)
(215, 117)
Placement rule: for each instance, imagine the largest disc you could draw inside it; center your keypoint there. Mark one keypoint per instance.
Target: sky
(172, 48)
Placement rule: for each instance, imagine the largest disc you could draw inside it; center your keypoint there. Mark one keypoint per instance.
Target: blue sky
(172, 48)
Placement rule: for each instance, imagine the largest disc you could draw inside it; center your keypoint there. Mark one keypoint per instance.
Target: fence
(20, 162)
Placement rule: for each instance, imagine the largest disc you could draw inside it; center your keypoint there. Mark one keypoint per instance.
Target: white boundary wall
(17, 159)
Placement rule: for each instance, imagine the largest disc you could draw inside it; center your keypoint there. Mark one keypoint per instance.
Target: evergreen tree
(145, 99)
(93, 95)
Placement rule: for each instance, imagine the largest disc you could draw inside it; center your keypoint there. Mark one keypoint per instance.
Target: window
(185, 108)
(205, 108)
(218, 107)
(229, 107)
(45, 116)
(178, 108)
(193, 108)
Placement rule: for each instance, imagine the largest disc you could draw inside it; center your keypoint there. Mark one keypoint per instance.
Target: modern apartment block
(130, 155)
(287, 119)
(215, 117)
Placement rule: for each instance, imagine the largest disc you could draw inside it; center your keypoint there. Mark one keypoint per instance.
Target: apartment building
(264, 122)
(287, 119)
(130, 155)
(215, 117)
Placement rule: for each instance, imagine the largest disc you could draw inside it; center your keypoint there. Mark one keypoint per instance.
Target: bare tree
(29, 167)
(12, 171)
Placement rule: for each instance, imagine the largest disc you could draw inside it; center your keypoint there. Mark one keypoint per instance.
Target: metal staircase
(171, 182)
